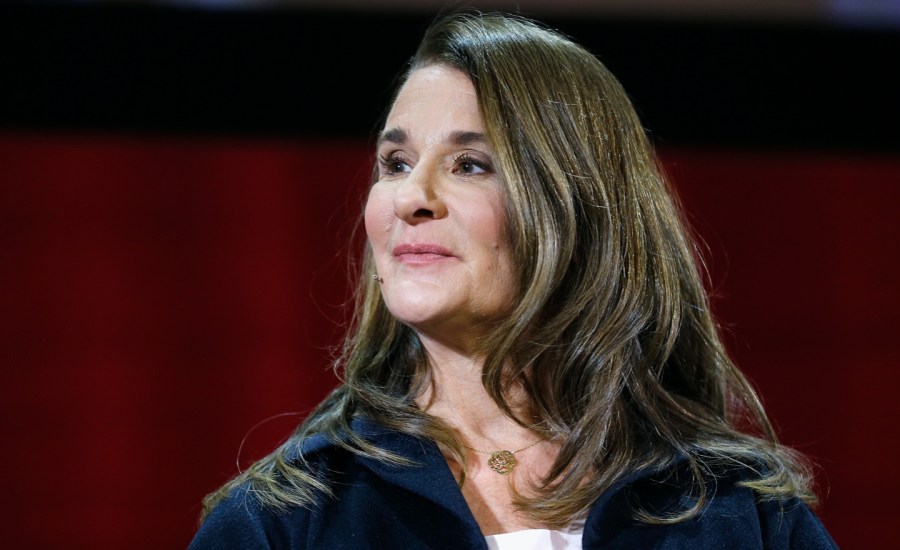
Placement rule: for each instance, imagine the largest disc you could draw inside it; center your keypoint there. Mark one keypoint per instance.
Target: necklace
(503, 462)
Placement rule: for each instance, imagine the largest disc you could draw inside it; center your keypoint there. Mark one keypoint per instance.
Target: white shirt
(539, 539)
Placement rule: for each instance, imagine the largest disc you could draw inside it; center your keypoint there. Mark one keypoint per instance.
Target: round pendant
(502, 462)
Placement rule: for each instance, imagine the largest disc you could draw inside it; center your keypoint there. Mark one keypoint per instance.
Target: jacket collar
(428, 477)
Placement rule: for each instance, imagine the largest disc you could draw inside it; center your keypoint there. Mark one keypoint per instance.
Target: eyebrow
(466, 138)
(394, 135)
(459, 137)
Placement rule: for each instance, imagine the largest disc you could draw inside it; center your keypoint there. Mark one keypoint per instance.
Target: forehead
(435, 99)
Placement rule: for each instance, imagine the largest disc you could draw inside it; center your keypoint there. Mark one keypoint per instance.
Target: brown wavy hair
(611, 333)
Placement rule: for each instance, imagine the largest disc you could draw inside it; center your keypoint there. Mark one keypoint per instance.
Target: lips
(421, 253)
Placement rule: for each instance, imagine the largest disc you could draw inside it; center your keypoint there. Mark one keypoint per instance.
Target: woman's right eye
(393, 164)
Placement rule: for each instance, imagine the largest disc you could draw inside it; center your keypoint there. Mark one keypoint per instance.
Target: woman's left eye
(468, 166)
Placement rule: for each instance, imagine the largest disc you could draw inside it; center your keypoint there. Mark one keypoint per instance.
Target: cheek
(378, 216)
(492, 231)
(488, 224)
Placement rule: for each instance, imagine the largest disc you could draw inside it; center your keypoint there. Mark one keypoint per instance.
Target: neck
(457, 396)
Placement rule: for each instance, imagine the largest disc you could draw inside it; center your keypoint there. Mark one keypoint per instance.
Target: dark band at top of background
(329, 73)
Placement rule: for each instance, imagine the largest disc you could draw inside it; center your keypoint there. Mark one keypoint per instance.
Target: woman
(533, 359)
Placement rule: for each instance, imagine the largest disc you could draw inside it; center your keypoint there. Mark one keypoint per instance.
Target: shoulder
(792, 524)
(243, 520)
(371, 503)
(733, 516)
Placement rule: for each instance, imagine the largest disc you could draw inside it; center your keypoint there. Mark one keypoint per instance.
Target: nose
(416, 198)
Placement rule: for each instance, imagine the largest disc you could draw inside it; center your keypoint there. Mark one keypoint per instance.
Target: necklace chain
(530, 445)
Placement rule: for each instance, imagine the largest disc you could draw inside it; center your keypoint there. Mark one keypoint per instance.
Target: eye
(393, 164)
(466, 165)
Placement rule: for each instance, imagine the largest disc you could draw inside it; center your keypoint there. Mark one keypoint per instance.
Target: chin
(415, 316)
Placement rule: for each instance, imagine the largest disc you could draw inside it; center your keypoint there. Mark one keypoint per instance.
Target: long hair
(610, 333)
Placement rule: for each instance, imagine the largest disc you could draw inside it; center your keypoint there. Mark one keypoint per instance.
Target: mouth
(421, 253)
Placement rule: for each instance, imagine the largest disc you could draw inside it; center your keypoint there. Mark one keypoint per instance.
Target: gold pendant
(502, 462)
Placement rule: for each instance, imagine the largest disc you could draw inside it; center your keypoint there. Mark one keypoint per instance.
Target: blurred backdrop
(179, 188)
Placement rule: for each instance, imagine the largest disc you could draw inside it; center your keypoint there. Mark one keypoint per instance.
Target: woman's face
(435, 217)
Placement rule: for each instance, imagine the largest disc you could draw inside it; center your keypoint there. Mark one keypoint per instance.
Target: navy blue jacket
(378, 505)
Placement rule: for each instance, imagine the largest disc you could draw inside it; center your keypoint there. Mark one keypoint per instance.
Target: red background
(162, 296)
